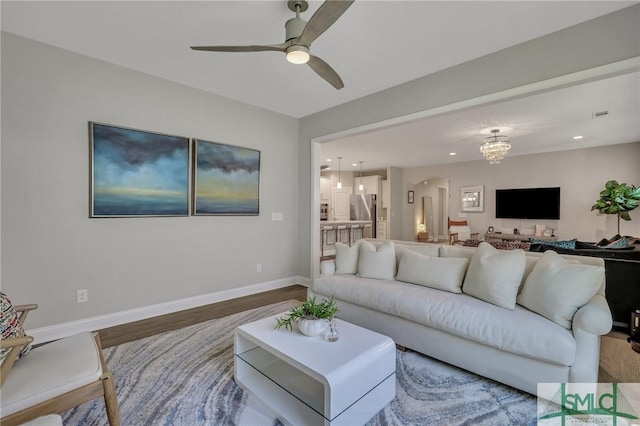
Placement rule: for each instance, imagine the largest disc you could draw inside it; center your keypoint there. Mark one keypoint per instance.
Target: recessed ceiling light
(452, 153)
(355, 165)
(329, 159)
(578, 137)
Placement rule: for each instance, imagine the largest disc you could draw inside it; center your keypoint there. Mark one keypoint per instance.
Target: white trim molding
(58, 331)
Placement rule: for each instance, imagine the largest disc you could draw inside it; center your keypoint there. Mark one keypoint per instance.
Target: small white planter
(313, 327)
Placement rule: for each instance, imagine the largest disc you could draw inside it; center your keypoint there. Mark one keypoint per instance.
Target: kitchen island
(343, 231)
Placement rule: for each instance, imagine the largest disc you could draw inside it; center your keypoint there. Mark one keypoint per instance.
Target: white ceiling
(373, 46)
(543, 122)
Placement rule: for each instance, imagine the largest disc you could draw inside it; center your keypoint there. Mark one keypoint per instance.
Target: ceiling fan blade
(325, 16)
(325, 71)
(255, 48)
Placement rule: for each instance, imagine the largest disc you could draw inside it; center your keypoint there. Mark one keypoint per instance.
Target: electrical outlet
(83, 296)
(258, 267)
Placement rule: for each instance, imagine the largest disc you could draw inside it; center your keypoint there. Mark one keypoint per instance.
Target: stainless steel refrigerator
(363, 207)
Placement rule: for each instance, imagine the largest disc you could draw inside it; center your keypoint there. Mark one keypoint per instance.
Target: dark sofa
(622, 271)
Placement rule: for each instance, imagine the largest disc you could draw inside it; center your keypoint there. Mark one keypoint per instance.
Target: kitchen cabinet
(385, 194)
(342, 200)
(325, 190)
(381, 229)
(371, 184)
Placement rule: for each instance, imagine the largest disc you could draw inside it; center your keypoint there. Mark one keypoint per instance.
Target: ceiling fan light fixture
(298, 55)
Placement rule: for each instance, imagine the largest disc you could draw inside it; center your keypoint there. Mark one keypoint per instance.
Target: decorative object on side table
(311, 317)
(619, 199)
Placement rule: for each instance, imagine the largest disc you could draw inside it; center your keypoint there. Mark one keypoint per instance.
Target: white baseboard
(58, 331)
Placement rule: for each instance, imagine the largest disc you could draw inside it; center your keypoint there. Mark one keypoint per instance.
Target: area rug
(185, 378)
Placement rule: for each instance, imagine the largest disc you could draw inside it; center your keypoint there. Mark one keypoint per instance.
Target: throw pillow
(567, 244)
(442, 273)
(471, 243)
(347, 258)
(10, 326)
(621, 243)
(425, 249)
(495, 276)
(380, 263)
(557, 288)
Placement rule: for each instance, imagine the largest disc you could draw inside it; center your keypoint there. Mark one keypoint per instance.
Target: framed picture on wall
(410, 195)
(226, 179)
(137, 173)
(472, 199)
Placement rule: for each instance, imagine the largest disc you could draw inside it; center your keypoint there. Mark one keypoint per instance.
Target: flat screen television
(528, 203)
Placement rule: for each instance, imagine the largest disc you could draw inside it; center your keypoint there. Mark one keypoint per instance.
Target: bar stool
(324, 238)
(365, 228)
(356, 229)
(339, 230)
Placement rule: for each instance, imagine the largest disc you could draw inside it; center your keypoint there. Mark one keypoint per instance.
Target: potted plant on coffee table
(311, 317)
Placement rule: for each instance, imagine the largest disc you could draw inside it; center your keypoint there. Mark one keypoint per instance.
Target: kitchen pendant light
(339, 185)
(361, 186)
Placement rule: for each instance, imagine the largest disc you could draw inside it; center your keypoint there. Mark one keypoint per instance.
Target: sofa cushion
(436, 272)
(495, 276)
(379, 264)
(77, 362)
(347, 258)
(464, 232)
(519, 331)
(557, 288)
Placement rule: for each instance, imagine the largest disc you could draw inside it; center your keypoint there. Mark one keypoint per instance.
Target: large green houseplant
(619, 199)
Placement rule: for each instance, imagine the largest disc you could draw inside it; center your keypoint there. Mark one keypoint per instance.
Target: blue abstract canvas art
(226, 179)
(138, 173)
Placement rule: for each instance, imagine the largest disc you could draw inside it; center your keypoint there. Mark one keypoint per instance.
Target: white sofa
(442, 314)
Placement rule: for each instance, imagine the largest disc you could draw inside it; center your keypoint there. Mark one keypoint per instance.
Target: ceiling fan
(299, 36)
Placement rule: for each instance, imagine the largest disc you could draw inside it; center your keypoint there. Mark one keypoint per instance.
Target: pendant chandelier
(495, 147)
(339, 185)
(361, 186)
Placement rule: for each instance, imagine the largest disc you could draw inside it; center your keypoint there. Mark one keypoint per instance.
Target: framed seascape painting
(137, 173)
(226, 179)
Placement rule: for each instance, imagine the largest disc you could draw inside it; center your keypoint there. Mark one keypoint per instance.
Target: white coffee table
(310, 381)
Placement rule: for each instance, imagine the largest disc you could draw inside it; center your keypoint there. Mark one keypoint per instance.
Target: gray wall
(601, 41)
(50, 248)
(580, 174)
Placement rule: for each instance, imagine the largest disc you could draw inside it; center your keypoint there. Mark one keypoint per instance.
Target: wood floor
(117, 335)
(618, 362)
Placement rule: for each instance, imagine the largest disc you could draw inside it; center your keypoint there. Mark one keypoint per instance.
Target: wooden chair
(459, 231)
(54, 377)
